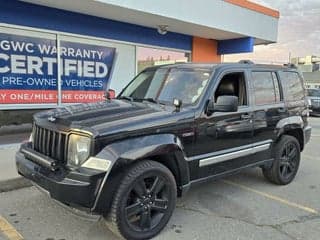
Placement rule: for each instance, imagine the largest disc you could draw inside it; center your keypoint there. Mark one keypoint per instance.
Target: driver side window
(233, 84)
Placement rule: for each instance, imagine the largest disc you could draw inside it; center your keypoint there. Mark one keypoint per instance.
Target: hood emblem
(51, 119)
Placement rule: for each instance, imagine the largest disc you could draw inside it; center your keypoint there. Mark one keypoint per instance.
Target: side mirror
(110, 94)
(224, 104)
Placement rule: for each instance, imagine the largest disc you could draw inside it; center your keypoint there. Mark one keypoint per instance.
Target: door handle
(246, 116)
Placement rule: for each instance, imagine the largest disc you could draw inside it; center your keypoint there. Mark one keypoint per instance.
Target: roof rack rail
(245, 61)
(290, 65)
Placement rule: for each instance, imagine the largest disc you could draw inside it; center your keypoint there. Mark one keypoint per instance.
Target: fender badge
(51, 119)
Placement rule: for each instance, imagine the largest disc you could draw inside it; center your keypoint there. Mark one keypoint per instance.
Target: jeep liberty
(129, 158)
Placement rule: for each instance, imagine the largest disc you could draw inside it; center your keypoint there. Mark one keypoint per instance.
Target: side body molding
(146, 147)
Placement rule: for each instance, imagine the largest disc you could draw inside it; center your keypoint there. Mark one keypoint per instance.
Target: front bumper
(75, 188)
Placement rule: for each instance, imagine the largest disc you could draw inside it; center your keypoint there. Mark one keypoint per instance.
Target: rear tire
(286, 161)
(144, 201)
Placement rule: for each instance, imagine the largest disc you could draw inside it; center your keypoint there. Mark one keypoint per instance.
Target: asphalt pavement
(240, 207)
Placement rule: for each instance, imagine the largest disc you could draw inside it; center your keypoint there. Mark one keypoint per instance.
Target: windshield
(164, 85)
(314, 92)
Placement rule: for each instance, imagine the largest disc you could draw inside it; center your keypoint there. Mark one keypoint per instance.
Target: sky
(298, 32)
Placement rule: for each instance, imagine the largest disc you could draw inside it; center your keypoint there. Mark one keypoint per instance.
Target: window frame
(246, 81)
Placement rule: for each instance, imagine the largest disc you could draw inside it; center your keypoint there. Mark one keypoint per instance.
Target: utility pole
(289, 57)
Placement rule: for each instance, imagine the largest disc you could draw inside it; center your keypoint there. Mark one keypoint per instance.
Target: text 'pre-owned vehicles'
(173, 126)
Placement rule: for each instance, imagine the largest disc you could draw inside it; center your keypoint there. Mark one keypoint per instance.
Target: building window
(147, 57)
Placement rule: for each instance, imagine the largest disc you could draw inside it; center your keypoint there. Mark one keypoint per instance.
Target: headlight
(78, 149)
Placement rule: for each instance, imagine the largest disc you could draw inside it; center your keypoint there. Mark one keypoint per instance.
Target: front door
(223, 140)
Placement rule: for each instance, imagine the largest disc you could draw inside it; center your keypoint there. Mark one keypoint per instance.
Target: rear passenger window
(292, 85)
(266, 88)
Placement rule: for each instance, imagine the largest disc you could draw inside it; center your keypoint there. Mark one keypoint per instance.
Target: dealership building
(60, 52)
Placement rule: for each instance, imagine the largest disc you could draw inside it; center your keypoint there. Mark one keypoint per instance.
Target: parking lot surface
(241, 207)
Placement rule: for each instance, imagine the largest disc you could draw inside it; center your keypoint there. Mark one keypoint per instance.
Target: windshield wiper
(126, 98)
(152, 100)
(131, 99)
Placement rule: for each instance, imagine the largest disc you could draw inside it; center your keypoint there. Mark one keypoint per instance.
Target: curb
(15, 129)
(9, 145)
(14, 184)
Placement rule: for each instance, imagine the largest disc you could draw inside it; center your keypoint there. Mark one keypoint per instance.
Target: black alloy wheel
(147, 203)
(144, 201)
(286, 153)
(289, 160)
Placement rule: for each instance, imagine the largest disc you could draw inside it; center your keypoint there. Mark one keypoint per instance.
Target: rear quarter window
(292, 86)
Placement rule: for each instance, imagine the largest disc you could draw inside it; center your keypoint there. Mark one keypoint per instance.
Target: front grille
(50, 143)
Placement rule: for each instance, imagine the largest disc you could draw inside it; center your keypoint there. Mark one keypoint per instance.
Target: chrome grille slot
(50, 143)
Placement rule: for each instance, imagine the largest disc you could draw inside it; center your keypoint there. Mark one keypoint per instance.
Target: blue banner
(28, 69)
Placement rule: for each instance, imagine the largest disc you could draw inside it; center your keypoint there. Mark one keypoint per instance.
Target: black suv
(173, 126)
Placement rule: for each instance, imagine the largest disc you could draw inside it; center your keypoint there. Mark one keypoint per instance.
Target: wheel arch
(292, 126)
(166, 149)
(298, 134)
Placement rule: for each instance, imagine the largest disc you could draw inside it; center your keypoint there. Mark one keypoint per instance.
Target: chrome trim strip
(218, 153)
(233, 155)
(224, 157)
(262, 143)
(261, 148)
(231, 150)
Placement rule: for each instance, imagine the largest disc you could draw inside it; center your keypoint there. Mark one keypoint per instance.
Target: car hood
(109, 117)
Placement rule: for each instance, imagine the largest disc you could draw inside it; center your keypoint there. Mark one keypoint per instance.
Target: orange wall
(205, 50)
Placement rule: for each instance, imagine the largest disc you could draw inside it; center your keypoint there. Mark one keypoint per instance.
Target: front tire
(144, 201)
(286, 161)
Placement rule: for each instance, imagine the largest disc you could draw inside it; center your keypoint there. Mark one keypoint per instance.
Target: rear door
(269, 108)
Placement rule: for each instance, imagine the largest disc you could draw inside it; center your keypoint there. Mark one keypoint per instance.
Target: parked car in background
(172, 127)
(314, 101)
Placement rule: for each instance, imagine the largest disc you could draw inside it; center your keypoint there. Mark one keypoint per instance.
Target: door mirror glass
(224, 104)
